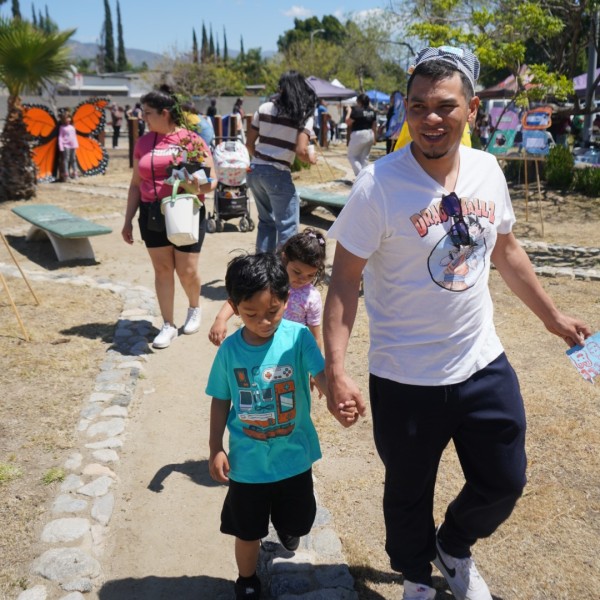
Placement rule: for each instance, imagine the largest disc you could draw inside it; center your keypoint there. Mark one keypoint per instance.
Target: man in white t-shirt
(424, 223)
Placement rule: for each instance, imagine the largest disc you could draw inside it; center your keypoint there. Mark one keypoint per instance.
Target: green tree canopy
(357, 52)
(505, 35)
(329, 29)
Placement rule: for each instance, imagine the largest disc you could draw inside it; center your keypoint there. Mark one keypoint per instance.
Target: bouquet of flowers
(189, 161)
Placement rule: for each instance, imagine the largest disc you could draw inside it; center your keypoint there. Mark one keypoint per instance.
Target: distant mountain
(135, 57)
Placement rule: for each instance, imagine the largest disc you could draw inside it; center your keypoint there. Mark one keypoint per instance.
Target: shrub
(559, 167)
(587, 181)
(52, 475)
(9, 472)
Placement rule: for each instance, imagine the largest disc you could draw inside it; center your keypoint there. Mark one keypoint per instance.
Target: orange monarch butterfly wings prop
(88, 119)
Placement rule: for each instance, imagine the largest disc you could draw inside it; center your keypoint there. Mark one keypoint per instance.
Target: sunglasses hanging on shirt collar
(459, 231)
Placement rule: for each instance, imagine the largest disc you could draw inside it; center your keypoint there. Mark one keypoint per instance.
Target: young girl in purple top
(67, 144)
(304, 258)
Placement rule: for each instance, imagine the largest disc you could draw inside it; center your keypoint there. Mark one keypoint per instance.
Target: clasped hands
(345, 401)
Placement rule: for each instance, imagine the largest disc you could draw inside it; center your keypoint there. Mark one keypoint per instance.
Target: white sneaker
(166, 335)
(462, 576)
(192, 321)
(417, 591)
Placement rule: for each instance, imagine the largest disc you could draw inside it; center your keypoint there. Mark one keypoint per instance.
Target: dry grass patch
(43, 385)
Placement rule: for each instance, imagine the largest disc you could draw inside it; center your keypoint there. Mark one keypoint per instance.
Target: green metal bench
(68, 233)
(310, 198)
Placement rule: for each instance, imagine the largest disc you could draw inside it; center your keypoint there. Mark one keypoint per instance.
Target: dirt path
(165, 530)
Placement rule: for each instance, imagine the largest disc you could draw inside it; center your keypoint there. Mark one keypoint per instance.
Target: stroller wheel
(220, 225)
(211, 225)
(244, 225)
(251, 224)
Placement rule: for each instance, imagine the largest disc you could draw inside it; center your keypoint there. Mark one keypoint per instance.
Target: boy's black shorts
(290, 503)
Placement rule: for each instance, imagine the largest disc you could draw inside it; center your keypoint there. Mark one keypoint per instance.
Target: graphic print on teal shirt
(271, 433)
(266, 403)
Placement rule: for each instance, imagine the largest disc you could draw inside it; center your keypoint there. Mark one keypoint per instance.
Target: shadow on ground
(366, 577)
(196, 470)
(215, 289)
(167, 588)
(92, 331)
(313, 219)
(42, 253)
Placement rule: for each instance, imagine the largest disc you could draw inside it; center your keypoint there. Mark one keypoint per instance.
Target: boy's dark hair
(436, 70)
(309, 248)
(251, 273)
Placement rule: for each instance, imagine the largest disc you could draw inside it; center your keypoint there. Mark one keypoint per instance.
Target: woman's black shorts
(158, 239)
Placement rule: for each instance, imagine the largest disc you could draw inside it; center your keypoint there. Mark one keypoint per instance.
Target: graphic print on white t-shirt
(456, 267)
(451, 265)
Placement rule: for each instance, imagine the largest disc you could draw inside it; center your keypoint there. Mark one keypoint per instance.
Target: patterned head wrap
(460, 58)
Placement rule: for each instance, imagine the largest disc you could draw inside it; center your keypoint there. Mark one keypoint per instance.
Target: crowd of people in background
(384, 119)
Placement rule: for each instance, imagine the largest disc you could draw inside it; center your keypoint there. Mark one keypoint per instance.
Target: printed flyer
(587, 358)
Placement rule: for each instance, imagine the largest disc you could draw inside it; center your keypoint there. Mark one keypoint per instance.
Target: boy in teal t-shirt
(259, 382)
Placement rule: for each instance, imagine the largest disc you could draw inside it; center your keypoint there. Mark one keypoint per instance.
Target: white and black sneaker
(417, 591)
(462, 575)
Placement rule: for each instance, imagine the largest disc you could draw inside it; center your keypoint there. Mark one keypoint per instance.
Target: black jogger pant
(485, 418)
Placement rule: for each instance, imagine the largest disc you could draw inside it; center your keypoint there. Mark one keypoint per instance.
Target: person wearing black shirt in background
(361, 129)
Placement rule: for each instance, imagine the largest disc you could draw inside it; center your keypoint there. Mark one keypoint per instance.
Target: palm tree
(29, 59)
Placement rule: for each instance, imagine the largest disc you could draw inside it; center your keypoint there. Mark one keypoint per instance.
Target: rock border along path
(83, 509)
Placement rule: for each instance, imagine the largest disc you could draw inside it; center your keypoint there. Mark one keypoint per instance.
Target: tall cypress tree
(121, 57)
(211, 44)
(194, 47)
(242, 54)
(218, 51)
(41, 21)
(225, 51)
(204, 47)
(16, 10)
(34, 16)
(109, 41)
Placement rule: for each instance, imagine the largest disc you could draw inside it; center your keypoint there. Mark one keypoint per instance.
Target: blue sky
(166, 26)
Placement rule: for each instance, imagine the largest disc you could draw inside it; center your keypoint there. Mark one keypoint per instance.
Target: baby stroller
(231, 161)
